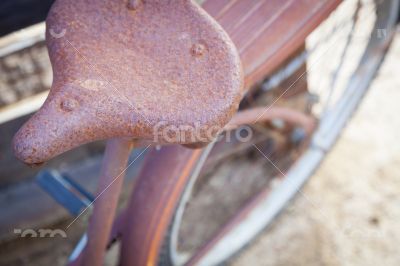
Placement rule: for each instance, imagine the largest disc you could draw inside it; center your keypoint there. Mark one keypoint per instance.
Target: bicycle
(274, 52)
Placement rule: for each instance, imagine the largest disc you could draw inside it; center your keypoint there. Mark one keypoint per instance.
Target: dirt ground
(350, 211)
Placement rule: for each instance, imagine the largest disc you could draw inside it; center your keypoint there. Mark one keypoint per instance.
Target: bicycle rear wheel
(356, 37)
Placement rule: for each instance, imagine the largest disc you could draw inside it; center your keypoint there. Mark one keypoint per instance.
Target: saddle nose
(158, 70)
(70, 117)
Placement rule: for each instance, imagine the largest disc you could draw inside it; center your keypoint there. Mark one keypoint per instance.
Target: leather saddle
(157, 70)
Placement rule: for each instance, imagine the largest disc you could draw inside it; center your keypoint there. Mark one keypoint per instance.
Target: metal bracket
(65, 191)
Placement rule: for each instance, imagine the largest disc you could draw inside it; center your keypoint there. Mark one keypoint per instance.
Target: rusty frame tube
(116, 232)
(105, 205)
(265, 114)
(255, 115)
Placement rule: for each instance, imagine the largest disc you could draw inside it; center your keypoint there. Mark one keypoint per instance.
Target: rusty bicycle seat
(132, 69)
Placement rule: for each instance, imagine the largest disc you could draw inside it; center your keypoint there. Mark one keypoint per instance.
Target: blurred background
(347, 214)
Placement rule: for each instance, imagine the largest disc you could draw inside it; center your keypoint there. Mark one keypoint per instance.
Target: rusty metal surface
(153, 202)
(266, 32)
(144, 239)
(159, 188)
(122, 69)
(159, 182)
(110, 184)
(259, 115)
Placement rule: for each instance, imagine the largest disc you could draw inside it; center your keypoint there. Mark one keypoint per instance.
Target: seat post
(105, 204)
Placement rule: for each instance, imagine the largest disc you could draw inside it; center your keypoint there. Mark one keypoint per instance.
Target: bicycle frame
(263, 44)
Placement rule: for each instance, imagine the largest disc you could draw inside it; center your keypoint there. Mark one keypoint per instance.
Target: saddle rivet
(198, 49)
(133, 4)
(68, 105)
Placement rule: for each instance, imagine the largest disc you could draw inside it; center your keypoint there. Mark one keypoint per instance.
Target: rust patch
(133, 4)
(92, 84)
(68, 105)
(198, 49)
